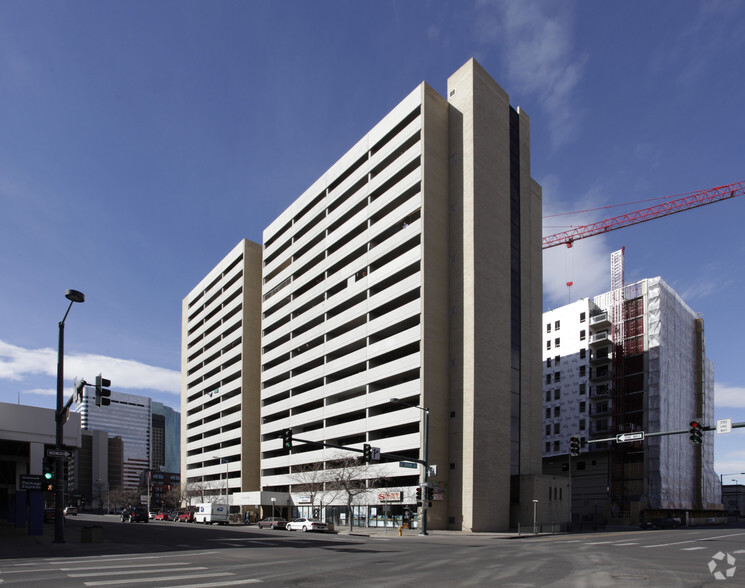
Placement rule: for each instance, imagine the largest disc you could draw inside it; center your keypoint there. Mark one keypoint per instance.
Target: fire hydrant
(400, 531)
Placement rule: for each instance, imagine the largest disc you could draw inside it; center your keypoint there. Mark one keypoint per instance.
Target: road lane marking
(693, 548)
(122, 572)
(226, 583)
(695, 540)
(722, 537)
(669, 544)
(128, 565)
(160, 579)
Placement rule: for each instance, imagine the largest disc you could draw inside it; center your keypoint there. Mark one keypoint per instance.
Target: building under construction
(631, 360)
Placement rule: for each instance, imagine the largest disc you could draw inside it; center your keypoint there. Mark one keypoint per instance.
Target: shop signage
(389, 496)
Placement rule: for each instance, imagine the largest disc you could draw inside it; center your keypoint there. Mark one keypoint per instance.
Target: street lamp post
(425, 458)
(59, 418)
(721, 476)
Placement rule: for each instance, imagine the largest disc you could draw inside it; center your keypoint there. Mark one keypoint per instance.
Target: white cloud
(587, 263)
(17, 363)
(729, 396)
(535, 42)
(41, 391)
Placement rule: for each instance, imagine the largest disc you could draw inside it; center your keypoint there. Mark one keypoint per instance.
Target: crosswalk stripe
(159, 579)
(225, 583)
(122, 572)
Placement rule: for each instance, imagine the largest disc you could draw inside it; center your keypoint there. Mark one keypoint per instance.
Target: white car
(305, 524)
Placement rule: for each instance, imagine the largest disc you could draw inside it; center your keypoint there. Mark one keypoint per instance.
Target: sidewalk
(16, 542)
(392, 532)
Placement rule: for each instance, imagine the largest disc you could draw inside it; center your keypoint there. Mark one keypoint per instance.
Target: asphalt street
(170, 554)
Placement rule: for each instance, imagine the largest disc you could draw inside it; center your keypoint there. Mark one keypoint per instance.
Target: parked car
(152, 514)
(161, 516)
(186, 516)
(306, 524)
(173, 515)
(71, 510)
(662, 523)
(49, 515)
(273, 523)
(135, 514)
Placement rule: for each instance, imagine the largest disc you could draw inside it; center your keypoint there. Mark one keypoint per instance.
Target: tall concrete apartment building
(631, 360)
(220, 376)
(412, 270)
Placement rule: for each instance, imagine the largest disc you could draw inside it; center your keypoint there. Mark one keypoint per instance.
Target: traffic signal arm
(664, 433)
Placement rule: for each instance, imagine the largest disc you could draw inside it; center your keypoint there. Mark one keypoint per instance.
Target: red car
(161, 516)
(186, 516)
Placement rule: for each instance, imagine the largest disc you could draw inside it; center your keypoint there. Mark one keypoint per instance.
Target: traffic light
(102, 392)
(574, 446)
(287, 439)
(47, 476)
(430, 492)
(419, 495)
(366, 453)
(697, 432)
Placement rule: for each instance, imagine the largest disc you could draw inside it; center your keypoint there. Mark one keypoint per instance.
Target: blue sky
(140, 141)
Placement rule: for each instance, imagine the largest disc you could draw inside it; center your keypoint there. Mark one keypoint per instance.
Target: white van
(209, 513)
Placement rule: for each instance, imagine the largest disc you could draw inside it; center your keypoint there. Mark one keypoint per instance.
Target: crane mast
(694, 200)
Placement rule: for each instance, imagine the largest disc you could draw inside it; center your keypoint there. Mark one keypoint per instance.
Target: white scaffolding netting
(674, 356)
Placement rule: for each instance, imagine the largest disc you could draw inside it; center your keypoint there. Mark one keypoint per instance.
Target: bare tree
(172, 499)
(195, 492)
(310, 479)
(352, 479)
(124, 497)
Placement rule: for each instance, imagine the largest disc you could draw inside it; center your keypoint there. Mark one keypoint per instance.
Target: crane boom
(694, 200)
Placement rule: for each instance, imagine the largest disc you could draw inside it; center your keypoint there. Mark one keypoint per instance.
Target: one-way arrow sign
(626, 437)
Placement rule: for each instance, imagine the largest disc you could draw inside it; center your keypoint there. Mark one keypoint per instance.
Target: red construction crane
(693, 200)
